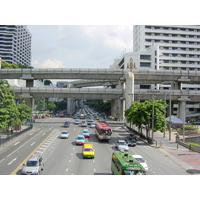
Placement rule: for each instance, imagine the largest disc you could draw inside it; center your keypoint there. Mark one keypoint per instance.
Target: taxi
(86, 133)
(88, 151)
(80, 139)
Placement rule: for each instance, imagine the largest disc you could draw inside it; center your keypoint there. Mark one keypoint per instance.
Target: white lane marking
(71, 154)
(12, 161)
(2, 160)
(32, 143)
(21, 146)
(66, 169)
(69, 161)
(31, 133)
(94, 170)
(43, 133)
(16, 143)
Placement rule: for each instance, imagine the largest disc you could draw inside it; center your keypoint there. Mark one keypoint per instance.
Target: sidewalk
(165, 140)
(189, 159)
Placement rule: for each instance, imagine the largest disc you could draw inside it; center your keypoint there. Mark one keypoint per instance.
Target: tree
(6, 65)
(12, 114)
(25, 111)
(48, 82)
(51, 105)
(140, 114)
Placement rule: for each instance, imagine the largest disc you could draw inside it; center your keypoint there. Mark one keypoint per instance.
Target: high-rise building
(15, 44)
(165, 47)
(177, 46)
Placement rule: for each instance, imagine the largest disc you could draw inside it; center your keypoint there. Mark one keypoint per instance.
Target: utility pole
(170, 120)
(152, 117)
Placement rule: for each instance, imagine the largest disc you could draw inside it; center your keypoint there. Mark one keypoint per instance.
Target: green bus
(123, 163)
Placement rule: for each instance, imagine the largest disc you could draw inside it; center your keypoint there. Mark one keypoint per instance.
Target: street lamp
(152, 117)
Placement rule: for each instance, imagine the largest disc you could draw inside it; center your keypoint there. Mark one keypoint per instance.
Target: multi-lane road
(63, 157)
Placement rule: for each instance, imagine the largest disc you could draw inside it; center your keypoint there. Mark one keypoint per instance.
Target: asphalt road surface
(64, 157)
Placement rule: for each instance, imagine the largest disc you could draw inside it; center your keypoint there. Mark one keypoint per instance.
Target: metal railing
(10, 137)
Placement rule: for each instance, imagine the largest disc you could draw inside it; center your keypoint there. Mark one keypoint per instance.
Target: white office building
(165, 47)
(15, 44)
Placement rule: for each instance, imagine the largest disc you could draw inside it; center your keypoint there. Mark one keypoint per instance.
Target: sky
(79, 46)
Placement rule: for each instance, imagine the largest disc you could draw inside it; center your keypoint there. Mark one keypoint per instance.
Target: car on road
(86, 133)
(92, 125)
(121, 145)
(66, 124)
(130, 141)
(80, 139)
(64, 134)
(90, 121)
(83, 124)
(141, 160)
(88, 151)
(77, 122)
(33, 166)
(197, 123)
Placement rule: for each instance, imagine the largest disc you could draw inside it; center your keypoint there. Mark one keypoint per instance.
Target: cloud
(48, 64)
(79, 46)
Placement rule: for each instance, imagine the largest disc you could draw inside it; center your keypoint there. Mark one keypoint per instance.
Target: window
(145, 57)
(143, 64)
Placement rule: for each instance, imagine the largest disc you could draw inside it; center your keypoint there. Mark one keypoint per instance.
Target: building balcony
(172, 38)
(163, 44)
(164, 31)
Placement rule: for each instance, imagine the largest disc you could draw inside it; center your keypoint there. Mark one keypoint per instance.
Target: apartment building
(165, 47)
(15, 44)
(178, 47)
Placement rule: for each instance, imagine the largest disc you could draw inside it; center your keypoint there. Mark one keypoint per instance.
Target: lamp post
(170, 120)
(152, 117)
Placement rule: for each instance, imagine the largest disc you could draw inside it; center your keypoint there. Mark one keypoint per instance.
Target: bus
(123, 163)
(103, 131)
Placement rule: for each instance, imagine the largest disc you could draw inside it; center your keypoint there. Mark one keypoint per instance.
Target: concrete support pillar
(29, 83)
(113, 108)
(30, 102)
(121, 109)
(182, 107)
(71, 103)
(168, 109)
(129, 92)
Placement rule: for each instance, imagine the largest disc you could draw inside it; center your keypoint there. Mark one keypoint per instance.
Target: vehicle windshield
(106, 132)
(87, 149)
(32, 163)
(132, 172)
(64, 132)
(128, 172)
(140, 160)
(122, 143)
(80, 138)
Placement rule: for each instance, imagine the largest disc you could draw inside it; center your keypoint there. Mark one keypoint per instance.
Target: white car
(64, 134)
(141, 160)
(92, 125)
(121, 145)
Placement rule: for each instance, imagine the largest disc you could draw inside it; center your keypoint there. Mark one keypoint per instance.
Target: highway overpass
(140, 76)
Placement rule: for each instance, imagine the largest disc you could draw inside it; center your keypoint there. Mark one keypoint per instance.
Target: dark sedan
(66, 124)
(130, 141)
